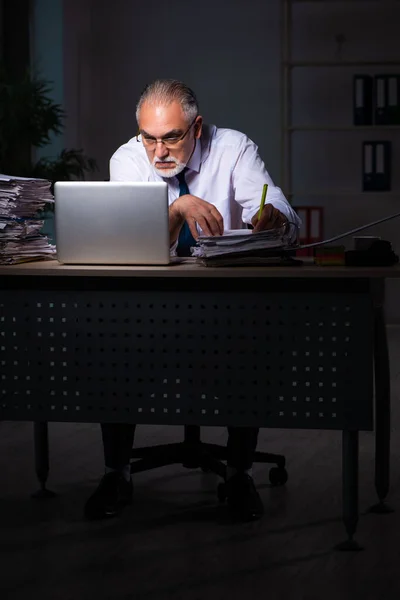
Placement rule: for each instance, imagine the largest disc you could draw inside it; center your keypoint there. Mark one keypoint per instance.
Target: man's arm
(270, 218)
(128, 165)
(176, 221)
(249, 177)
(194, 210)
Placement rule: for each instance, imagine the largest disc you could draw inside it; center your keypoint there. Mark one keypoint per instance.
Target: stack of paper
(242, 246)
(20, 201)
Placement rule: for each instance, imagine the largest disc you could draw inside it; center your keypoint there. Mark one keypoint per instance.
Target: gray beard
(170, 173)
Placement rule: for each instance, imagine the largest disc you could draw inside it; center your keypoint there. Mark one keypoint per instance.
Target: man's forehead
(161, 115)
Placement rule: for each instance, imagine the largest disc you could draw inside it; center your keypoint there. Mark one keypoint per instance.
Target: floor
(175, 542)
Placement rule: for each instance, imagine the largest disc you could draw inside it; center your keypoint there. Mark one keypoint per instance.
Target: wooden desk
(288, 347)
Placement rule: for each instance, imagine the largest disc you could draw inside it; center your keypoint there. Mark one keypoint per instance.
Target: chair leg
(210, 463)
(166, 450)
(192, 453)
(156, 461)
(187, 453)
(266, 457)
(217, 451)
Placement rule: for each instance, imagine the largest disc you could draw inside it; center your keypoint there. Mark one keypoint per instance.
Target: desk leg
(350, 489)
(382, 402)
(41, 443)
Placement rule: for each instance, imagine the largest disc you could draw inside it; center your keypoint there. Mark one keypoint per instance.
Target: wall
(228, 52)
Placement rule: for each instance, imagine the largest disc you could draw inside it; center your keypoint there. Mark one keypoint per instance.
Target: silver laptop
(112, 222)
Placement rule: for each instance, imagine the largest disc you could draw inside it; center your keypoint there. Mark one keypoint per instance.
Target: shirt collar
(195, 159)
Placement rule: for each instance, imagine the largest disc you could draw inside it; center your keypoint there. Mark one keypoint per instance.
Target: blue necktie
(185, 240)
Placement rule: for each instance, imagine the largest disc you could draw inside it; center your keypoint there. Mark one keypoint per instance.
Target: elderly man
(215, 179)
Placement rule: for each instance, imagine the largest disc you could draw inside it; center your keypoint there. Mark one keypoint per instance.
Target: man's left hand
(271, 218)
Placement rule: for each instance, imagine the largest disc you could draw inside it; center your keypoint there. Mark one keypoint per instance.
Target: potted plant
(28, 119)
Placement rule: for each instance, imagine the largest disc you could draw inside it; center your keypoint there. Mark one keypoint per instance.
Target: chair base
(192, 453)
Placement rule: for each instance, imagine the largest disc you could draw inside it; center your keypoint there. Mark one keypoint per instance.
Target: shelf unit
(288, 128)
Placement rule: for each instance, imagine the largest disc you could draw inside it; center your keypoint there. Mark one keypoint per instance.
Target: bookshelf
(344, 62)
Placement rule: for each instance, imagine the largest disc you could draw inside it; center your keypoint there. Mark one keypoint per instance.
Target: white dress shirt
(225, 169)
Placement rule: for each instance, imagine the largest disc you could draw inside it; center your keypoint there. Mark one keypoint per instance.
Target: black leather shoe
(108, 500)
(243, 499)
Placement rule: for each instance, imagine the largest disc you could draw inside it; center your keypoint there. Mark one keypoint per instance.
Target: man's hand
(270, 218)
(195, 210)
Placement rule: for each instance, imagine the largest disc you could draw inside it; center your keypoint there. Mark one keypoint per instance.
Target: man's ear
(198, 127)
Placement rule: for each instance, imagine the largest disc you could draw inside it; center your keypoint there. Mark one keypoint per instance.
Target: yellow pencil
(263, 196)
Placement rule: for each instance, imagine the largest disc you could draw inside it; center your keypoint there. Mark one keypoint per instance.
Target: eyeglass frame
(155, 141)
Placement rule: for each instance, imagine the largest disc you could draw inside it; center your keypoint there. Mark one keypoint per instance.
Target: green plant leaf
(28, 119)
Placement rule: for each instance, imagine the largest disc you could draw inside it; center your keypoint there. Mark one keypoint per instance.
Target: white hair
(165, 91)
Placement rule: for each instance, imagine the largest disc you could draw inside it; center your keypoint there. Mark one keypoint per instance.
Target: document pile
(20, 238)
(242, 246)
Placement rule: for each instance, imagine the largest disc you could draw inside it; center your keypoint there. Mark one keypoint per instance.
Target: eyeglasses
(169, 141)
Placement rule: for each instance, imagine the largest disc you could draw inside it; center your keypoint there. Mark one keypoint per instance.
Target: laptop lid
(112, 222)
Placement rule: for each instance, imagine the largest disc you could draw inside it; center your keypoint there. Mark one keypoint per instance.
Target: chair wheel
(278, 476)
(221, 492)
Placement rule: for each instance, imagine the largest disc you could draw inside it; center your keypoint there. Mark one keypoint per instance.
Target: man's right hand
(195, 210)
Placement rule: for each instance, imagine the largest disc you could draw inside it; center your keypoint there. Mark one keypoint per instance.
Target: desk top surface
(190, 268)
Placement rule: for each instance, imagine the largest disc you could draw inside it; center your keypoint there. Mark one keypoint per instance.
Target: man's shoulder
(131, 149)
(130, 162)
(220, 138)
(229, 137)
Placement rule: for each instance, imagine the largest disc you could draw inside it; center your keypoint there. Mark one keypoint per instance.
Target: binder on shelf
(393, 83)
(387, 99)
(381, 100)
(362, 99)
(376, 166)
(311, 227)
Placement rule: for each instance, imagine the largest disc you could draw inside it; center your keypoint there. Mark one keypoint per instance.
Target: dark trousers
(118, 442)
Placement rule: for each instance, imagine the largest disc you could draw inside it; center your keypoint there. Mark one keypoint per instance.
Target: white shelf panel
(345, 2)
(342, 63)
(344, 34)
(342, 193)
(350, 128)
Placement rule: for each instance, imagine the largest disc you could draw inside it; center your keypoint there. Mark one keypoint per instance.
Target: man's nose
(161, 150)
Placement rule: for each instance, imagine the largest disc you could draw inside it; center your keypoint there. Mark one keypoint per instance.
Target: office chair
(192, 453)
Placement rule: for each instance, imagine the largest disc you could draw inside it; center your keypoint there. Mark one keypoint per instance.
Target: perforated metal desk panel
(287, 347)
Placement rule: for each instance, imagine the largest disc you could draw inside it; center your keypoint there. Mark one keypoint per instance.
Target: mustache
(168, 159)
